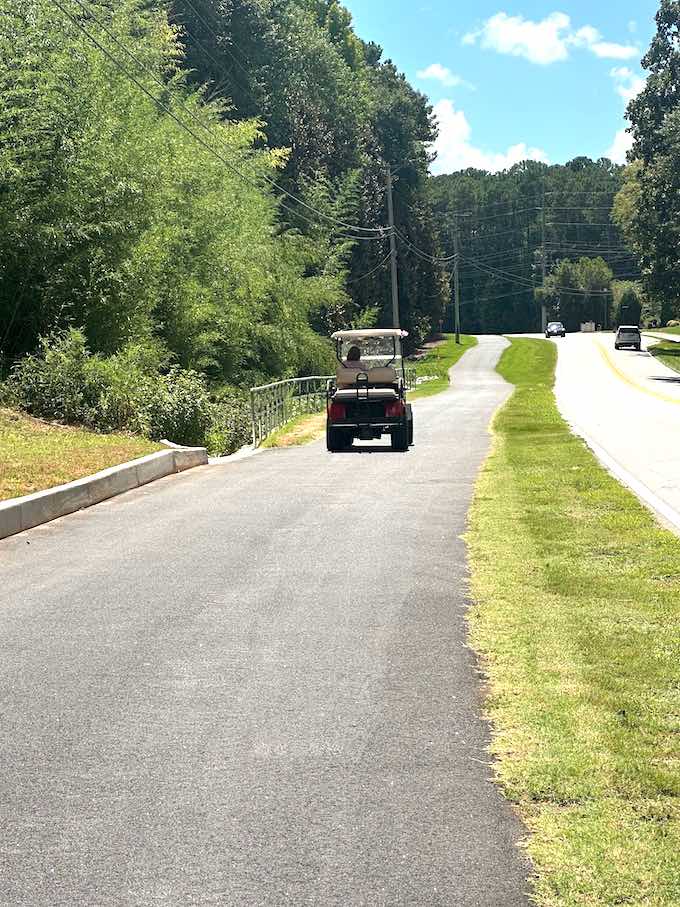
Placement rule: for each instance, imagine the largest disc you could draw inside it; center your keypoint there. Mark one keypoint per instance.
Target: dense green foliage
(503, 220)
(345, 116)
(648, 207)
(115, 220)
(64, 381)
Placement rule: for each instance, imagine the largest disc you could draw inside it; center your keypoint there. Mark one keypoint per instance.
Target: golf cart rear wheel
(338, 439)
(400, 438)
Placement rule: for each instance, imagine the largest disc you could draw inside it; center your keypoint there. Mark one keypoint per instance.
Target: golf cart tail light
(337, 411)
(394, 410)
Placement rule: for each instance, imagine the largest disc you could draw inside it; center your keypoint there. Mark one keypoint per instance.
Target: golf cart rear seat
(368, 393)
(385, 376)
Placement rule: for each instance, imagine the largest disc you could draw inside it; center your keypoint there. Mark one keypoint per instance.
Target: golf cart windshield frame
(356, 338)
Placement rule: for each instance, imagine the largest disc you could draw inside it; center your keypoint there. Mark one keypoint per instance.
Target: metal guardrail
(272, 405)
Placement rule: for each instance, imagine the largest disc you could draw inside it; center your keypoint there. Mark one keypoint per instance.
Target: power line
(372, 271)
(379, 231)
(498, 273)
(510, 253)
(491, 236)
(510, 213)
(558, 223)
(499, 296)
(580, 207)
(424, 255)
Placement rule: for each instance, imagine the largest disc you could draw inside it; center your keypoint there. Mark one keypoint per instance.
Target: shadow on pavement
(370, 448)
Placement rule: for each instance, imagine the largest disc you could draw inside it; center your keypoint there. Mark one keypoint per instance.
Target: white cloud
(539, 42)
(456, 152)
(440, 74)
(623, 142)
(544, 42)
(608, 51)
(628, 83)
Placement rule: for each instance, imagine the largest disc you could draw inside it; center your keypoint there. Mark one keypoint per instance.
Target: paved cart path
(628, 404)
(250, 685)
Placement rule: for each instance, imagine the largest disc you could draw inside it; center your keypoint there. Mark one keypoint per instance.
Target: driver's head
(354, 354)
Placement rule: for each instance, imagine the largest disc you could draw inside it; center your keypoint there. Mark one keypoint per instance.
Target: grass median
(667, 352)
(436, 362)
(35, 455)
(577, 593)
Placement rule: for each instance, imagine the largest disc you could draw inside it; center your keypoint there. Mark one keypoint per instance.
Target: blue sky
(521, 79)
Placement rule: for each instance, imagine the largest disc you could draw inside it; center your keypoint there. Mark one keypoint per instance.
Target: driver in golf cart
(353, 362)
(368, 397)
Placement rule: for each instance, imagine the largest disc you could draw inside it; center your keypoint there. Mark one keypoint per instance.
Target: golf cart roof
(369, 332)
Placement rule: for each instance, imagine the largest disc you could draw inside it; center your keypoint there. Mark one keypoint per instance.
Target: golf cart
(367, 398)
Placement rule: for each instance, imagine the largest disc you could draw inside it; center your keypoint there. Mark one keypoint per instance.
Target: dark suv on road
(628, 335)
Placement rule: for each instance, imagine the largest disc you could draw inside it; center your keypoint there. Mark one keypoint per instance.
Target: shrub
(177, 406)
(55, 383)
(231, 427)
(123, 392)
(673, 323)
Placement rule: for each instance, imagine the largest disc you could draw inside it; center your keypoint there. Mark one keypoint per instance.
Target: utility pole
(456, 281)
(393, 252)
(544, 312)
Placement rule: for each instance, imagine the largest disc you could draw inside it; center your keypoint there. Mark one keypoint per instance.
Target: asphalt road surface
(249, 685)
(628, 404)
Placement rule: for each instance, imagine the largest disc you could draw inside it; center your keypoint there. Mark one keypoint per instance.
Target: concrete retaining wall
(18, 514)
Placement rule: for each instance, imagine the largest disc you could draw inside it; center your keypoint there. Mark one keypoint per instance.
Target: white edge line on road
(668, 516)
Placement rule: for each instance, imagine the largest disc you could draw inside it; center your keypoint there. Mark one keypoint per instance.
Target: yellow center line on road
(641, 387)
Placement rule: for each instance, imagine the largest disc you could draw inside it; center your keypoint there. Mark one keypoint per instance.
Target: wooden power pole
(393, 252)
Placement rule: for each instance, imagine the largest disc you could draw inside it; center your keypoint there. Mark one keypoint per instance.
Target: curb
(19, 514)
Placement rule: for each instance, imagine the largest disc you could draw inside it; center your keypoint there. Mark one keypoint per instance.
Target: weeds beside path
(578, 607)
(35, 455)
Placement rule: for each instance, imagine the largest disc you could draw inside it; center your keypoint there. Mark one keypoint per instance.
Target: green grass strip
(577, 593)
(35, 455)
(667, 352)
(437, 362)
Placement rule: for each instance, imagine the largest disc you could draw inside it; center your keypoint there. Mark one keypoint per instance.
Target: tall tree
(648, 208)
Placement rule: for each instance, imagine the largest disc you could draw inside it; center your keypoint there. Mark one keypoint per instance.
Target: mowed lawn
(668, 352)
(35, 455)
(577, 622)
(436, 362)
